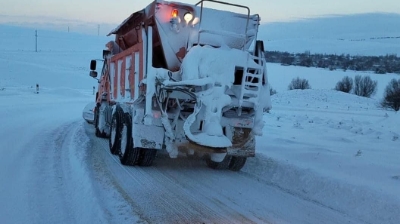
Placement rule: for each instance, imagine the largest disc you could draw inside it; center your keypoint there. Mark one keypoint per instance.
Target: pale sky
(115, 11)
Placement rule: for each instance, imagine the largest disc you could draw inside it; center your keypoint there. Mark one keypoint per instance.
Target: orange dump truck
(186, 79)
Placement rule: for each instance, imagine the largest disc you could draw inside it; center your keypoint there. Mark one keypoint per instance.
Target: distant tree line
(366, 87)
(362, 86)
(389, 63)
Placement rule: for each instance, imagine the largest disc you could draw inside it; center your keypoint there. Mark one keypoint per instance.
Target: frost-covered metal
(189, 79)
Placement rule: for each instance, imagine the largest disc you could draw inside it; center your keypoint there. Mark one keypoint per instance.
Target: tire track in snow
(359, 203)
(66, 191)
(186, 191)
(155, 197)
(114, 207)
(63, 193)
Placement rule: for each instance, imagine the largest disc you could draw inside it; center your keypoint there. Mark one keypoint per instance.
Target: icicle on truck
(183, 78)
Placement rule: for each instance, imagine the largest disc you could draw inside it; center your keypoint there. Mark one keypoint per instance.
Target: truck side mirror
(93, 74)
(93, 65)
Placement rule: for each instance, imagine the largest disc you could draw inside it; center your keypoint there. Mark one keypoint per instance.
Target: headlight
(188, 17)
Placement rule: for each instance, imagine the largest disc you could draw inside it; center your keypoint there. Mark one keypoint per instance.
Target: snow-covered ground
(319, 78)
(337, 149)
(325, 157)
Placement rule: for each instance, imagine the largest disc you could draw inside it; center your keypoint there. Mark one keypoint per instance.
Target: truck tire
(237, 163)
(128, 153)
(115, 131)
(96, 122)
(98, 133)
(223, 165)
(147, 157)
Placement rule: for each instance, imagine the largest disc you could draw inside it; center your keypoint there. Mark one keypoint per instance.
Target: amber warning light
(174, 13)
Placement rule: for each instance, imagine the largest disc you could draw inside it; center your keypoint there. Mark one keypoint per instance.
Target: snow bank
(336, 149)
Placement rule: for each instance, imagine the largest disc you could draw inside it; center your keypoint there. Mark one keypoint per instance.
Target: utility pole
(36, 40)
(68, 29)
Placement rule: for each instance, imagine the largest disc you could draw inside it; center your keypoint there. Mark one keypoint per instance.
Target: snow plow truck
(185, 79)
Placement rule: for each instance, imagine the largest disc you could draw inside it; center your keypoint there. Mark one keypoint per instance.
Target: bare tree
(345, 85)
(391, 97)
(364, 86)
(298, 83)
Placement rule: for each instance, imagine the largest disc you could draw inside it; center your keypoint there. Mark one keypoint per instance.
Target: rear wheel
(237, 163)
(223, 165)
(128, 154)
(96, 122)
(147, 157)
(115, 131)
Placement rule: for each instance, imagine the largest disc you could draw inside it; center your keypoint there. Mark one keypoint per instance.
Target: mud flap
(150, 137)
(243, 143)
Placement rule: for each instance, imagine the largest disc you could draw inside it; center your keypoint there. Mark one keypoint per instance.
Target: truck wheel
(147, 157)
(115, 131)
(237, 163)
(219, 165)
(98, 133)
(96, 121)
(128, 154)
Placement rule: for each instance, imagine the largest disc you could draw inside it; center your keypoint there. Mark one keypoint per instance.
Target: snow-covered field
(280, 77)
(325, 157)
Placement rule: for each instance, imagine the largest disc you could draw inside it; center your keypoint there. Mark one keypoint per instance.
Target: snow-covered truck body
(183, 78)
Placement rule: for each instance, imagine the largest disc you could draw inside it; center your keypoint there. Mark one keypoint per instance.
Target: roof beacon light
(174, 13)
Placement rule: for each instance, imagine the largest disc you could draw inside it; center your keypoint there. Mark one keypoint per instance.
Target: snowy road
(43, 178)
(55, 171)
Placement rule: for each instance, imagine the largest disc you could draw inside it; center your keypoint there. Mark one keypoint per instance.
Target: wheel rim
(124, 139)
